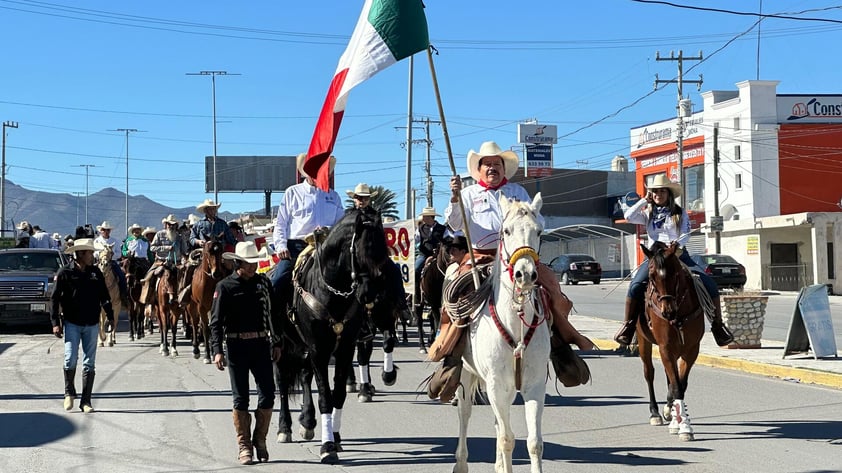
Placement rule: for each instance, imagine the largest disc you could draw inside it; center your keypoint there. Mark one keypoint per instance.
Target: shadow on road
(32, 429)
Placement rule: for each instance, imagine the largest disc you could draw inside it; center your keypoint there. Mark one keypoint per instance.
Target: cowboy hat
(299, 163)
(207, 203)
(661, 182)
(148, 230)
(361, 190)
(56, 236)
(428, 211)
(458, 242)
(135, 227)
(81, 244)
(192, 219)
(105, 225)
(490, 148)
(169, 219)
(245, 251)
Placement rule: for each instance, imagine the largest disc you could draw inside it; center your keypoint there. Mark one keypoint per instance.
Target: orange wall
(810, 166)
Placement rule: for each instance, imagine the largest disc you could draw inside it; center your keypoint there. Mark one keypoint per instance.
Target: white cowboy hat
(81, 244)
(245, 251)
(207, 203)
(56, 236)
(299, 163)
(169, 219)
(490, 148)
(428, 211)
(361, 190)
(192, 219)
(23, 225)
(105, 225)
(134, 226)
(148, 230)
(661, 182)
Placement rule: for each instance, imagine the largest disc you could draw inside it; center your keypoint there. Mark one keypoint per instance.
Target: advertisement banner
(539, 160)
(400, 238)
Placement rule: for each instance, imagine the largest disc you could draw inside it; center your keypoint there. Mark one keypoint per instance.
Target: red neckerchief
(489, 188)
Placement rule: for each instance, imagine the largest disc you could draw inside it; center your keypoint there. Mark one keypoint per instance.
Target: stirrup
(626, 333)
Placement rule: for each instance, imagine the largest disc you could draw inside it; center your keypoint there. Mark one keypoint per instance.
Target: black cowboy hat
(459, 242)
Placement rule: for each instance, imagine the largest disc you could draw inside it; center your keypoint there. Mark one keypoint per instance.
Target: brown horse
(428, 291)
(113, 285)
(135, 269)
(674, 322)
(210, 271)
(167, 308)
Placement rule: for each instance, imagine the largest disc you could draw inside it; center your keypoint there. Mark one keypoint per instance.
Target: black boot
(720, 332)
(87, 388)
(569, 367)
(69, 388)
(626, 332)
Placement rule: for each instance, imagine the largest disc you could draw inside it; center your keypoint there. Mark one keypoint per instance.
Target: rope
(460, 299)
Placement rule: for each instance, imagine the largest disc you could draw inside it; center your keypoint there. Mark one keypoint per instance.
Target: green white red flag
(386, 32)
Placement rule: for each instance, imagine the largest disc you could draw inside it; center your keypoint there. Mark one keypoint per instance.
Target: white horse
(105, 254)
(509, 341)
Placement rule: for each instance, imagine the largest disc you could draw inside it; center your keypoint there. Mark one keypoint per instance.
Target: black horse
(332, 293)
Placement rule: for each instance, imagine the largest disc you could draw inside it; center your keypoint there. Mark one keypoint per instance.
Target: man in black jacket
(241, 315)
(79, 296)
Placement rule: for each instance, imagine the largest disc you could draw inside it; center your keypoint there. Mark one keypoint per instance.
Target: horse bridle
(666, 297)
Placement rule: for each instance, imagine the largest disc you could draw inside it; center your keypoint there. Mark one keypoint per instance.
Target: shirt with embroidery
(482, 208)
(304, 209)
(660, 226)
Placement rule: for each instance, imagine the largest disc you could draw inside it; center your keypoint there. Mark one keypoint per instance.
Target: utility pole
(409, 195)
(717, 220)
(87, 192)
(408, 144)
(6, 124)
(684, 107)
(77, 194)
(127, 131)
(427, 165)
(213, 75)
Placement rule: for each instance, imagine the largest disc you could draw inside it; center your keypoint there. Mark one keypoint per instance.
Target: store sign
(753, 245)
(539, 160)
(537, 134)
(661, 133)
(810, 108)
(400, 240)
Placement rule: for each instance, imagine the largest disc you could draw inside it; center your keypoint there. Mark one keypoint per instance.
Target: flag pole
(467, 229)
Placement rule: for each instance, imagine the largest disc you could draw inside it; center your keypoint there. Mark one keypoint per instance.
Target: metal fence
(787, 277)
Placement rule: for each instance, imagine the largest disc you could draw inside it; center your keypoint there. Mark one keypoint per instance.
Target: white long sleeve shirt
(667, 233)
(115, 243)
(482, 208)
(304, 209)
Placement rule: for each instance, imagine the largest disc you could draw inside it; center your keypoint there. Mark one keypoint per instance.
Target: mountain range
(62, 213)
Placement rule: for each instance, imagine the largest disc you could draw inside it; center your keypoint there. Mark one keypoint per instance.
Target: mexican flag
(386, 32)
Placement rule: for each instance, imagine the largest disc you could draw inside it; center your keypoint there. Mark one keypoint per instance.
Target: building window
(736, 123)
(831, 271)
(737, 154)
(738, 181)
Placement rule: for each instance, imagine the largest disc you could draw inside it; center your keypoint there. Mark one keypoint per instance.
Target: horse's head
(106, 252)
(212, 257)
(664, 276)
(369, 253)
(168, 283)
(520, 237)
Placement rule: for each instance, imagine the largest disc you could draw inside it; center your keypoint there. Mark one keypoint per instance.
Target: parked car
(27, 280)
(576, 267)
(723, 269)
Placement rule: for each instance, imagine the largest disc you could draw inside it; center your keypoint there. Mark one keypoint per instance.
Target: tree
(384, 202)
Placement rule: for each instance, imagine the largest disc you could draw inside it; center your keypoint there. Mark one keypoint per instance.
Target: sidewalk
(765, 361)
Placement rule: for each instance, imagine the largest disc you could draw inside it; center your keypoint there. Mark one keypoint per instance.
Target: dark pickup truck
(27, 280)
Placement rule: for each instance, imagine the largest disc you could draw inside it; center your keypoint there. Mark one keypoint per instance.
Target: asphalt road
(159, 414)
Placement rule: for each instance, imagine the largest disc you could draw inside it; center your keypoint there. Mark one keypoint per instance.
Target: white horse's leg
(500, 396)
(465, 405)
(533, 396)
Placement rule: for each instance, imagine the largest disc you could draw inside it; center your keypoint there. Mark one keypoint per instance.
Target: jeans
(87, 336)
(253, 356)
(281, 275)
(637, 288)
(121, 278)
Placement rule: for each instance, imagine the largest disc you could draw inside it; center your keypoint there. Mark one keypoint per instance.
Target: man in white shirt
(105, 239)
(304, 209)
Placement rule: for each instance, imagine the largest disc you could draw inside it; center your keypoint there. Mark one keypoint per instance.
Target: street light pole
(6, 124)
(127, 131)
(87, 192)
(213, 75)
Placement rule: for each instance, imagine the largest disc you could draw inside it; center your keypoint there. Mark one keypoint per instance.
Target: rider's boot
(262, 419)
(720, 332)
(626, 333)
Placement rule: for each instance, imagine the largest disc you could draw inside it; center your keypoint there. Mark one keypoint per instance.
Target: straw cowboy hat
(661, 182)
(23, 225)
(169, 219)
(81, 244)
(361, 190)
(207, 203)
(490, 148)
(134, 227)
(105, 225)
(244, 251)
(192, 219)
(299, 163)
(148, 230)
(428, 212)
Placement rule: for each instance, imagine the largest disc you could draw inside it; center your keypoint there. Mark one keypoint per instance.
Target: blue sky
(73, 70)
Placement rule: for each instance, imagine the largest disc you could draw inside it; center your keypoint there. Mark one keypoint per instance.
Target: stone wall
(744, 314)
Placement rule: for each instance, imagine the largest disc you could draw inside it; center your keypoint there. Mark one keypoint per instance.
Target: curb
(786, 373)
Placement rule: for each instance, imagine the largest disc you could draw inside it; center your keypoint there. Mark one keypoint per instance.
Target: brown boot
(569, 367)
(720, 332)
(626, 333)
(262, 419)
(242, 425)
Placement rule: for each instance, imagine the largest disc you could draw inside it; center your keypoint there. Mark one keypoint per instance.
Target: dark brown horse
(428, 291)
(135, 269)
(674, 322)
(166, 305)
(205, 277)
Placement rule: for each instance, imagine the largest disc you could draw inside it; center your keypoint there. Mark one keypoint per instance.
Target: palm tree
(384, 201)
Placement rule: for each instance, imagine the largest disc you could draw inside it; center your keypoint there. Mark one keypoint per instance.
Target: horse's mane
(373, 253)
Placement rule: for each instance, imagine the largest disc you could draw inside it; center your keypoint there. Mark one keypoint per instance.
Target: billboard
(809, 108)
(250, 173)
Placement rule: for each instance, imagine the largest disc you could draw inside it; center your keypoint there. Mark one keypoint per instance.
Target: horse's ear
(646, 250)
(537, 202)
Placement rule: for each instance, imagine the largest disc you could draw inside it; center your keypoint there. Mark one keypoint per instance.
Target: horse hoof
(111, 344)
(307, 434)
(668, 412)
(131, 338)
(196, 356)
(206, 361)
(422, 350)
(686, 437)
(284, 437)
(656, 420)
(328, 454)
(101, 344)
(173, 354)
(351, 387)
(389, 377)
(366, 393)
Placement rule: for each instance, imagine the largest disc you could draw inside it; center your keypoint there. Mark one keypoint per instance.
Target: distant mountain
(59, 213)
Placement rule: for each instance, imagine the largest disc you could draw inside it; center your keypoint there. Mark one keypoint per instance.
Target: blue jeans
(121, 278)
(87, 336)
(637, 288)
(281, 275)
